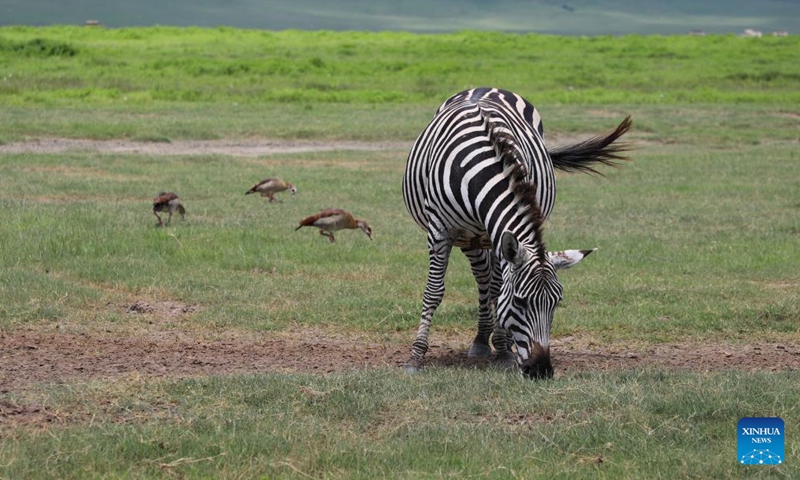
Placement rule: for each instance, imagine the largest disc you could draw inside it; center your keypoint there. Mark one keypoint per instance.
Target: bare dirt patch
(241, 148)
(25, 414)
(168, 308)
(32, 356)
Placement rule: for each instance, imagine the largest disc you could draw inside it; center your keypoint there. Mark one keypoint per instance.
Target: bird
(167, 202)
(270, 186)
(332, 219)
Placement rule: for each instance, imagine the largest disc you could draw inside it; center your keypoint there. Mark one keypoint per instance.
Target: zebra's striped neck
(525, 223)
(525, 217)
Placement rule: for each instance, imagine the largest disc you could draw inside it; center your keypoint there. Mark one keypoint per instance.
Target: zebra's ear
(567, 258)
(510, 247)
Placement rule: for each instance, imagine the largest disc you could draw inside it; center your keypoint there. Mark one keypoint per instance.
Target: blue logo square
(761, 441)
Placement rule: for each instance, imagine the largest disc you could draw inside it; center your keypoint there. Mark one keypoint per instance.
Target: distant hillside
(567, 17)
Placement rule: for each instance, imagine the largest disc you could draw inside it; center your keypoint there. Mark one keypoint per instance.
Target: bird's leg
(169, 220)
(271, 198)
(326, 234)
(160, 223)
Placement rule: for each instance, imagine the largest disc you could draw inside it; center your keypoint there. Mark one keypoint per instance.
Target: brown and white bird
(167, 202)
(270, 186)
(333, 219)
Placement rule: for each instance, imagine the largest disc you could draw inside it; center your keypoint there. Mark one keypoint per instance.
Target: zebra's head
(528, 299)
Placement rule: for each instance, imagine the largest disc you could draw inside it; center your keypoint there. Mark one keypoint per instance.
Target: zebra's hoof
(505, 360)
(413, 367)
(479, 350)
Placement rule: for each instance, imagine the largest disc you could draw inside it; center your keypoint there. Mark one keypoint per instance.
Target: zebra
(479, 177)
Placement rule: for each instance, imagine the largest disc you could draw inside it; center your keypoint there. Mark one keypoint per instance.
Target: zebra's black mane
(524, 190)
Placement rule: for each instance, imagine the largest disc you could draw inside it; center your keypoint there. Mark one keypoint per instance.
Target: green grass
(65, 231)
(449, 422)
(700, 233)
(703, 238)
(73, 66)
(201, 121)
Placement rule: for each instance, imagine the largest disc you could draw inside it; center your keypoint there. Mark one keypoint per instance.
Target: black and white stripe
(479, 177)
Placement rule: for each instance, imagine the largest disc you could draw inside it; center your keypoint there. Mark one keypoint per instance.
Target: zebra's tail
(601, 149)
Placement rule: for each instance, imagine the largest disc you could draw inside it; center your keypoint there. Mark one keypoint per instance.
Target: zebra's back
(512, 101)
(454, 168)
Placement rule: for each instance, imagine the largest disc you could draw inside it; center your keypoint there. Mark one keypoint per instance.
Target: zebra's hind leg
(439, 252)
(481, 262)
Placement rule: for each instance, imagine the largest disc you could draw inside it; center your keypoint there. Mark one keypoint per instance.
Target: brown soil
(34, 355)
(246, 148)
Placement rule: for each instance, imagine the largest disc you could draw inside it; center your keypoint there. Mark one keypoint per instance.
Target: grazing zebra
(479, 177)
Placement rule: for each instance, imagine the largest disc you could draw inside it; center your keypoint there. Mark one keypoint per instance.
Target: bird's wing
(263, 184)
(164, 197)
(329, 214)
(270, 182)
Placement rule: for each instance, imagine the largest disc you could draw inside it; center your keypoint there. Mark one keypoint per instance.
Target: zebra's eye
(519, 302)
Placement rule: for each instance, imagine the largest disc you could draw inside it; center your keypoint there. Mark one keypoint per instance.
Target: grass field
(697, 246)
(120, 69)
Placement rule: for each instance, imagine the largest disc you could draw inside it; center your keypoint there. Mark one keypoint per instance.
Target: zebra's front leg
(481, 262)
(501, 340)
(434, 292)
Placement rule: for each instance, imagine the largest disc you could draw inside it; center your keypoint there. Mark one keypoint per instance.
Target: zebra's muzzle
(538, 365)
